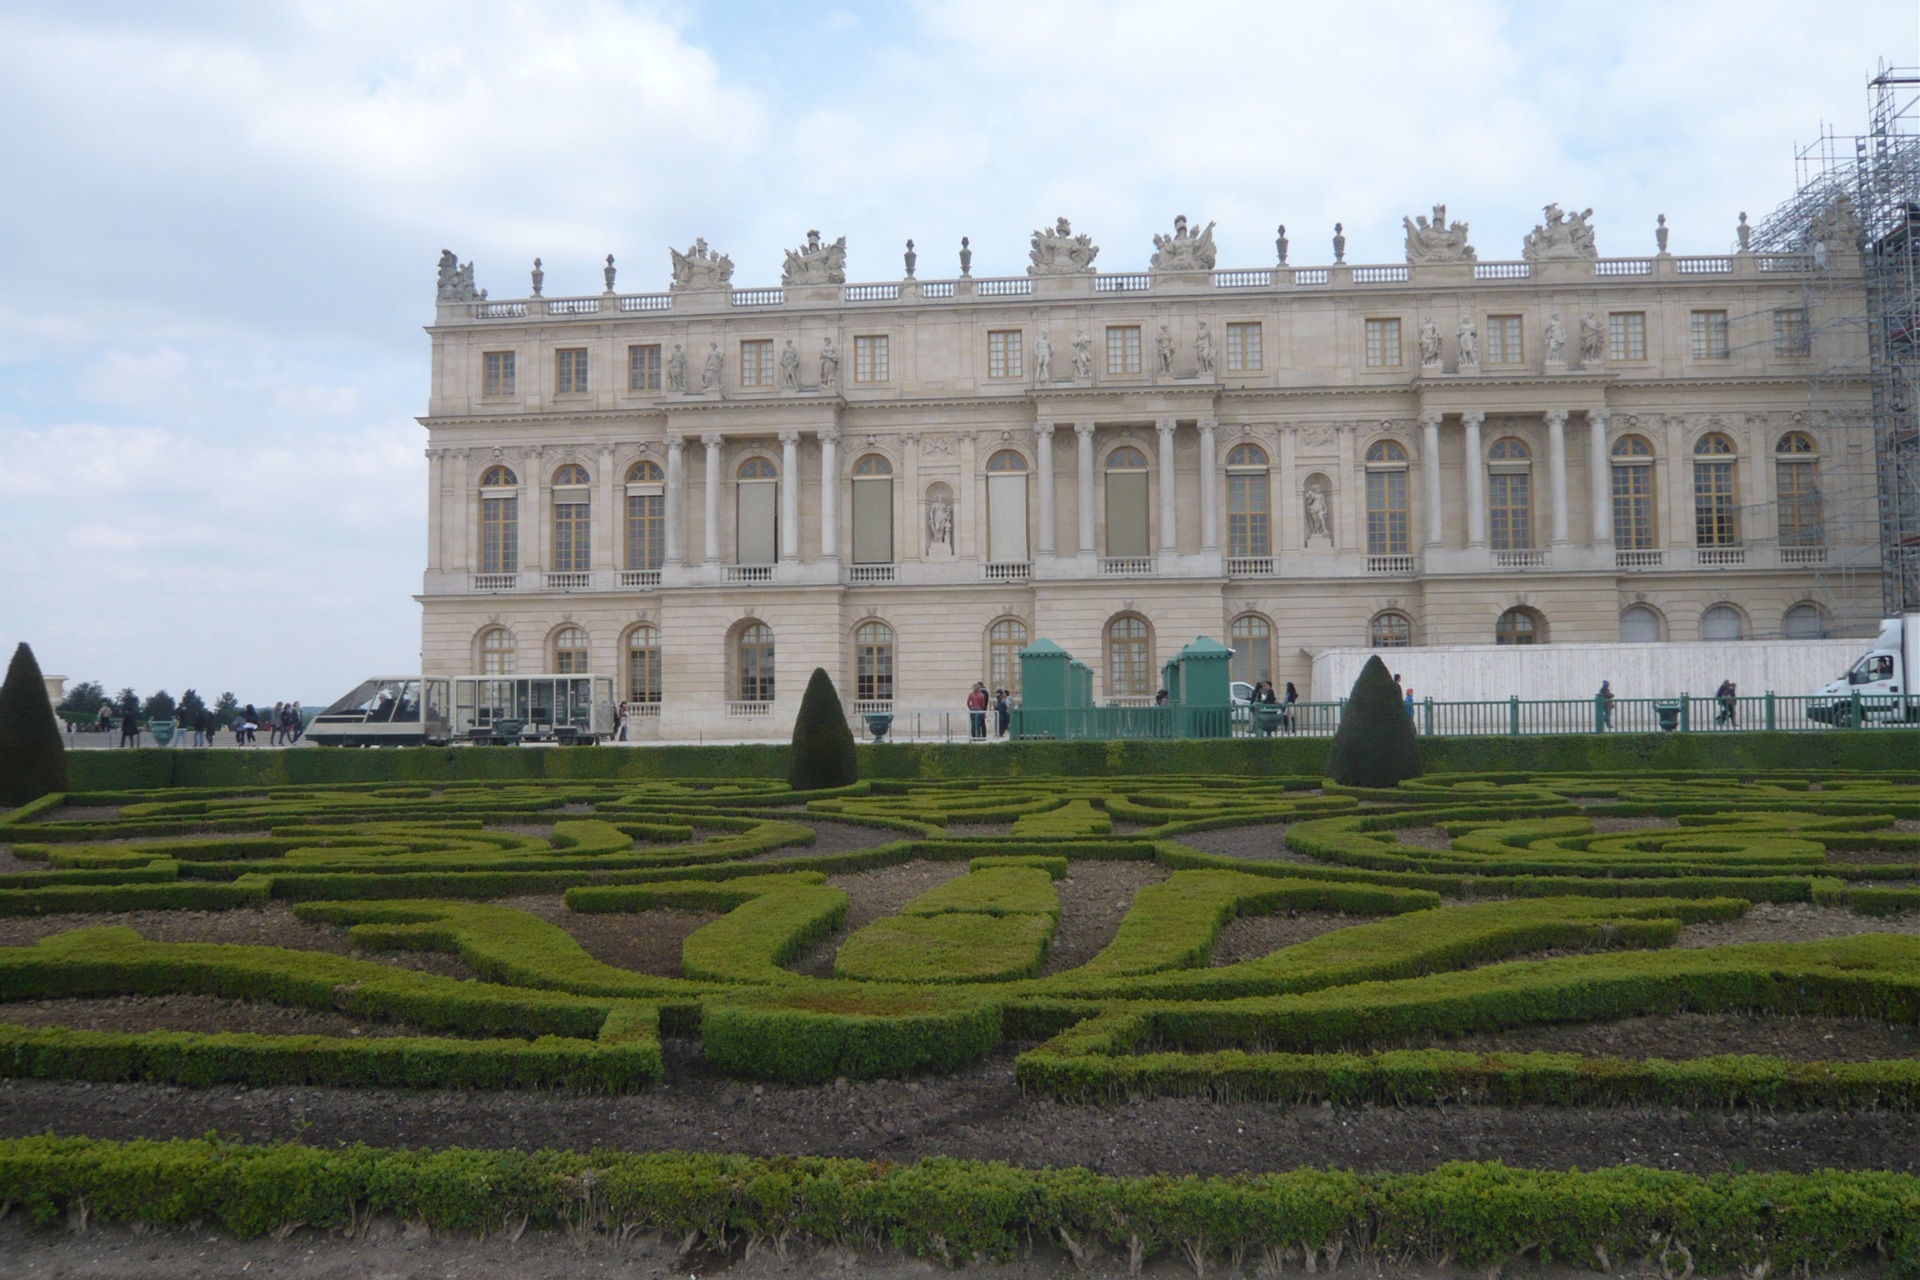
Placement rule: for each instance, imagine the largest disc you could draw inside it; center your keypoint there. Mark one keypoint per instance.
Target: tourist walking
(1605, 699)
(299, 719)
(129, 730)
(276, 724)
(977, 711)
(106, 717)
(1727, 695)
(1286, 705)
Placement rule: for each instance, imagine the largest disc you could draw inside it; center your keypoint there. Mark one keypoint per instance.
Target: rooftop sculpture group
(1060, 252)
(1183, 250)
(456, 280)
(1437, 241)
(816, 263)
(701, 268)
(1561, 237)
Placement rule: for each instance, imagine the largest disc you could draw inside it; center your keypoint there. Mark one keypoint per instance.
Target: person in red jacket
(977, 711)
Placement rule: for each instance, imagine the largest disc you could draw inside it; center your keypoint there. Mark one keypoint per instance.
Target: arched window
(756, 512)
(1249, 516)
(1796, 471)
(1716, 504)
(1722, 622)
(572, 526)
(646, 515)
(753, 661)
(1007, 507)
(1509, 495)
(499, 521)
(1519, 626)
(1805, 621)
(1390, 629)
(1129, 657)
(643, 665)
(1127, 502)
(1005, 639)
(873, 662)
(872, 510)
(1639, 624)
(1633, 494)
(1387, 499)
(496, 652)
(1251, 638)
(570, 651)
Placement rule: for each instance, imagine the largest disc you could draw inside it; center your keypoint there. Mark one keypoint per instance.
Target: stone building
(707, 492)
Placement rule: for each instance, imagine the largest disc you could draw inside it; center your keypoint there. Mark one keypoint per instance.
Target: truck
(1876, 687)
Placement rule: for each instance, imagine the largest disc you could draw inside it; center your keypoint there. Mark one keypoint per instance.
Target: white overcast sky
(219, 221)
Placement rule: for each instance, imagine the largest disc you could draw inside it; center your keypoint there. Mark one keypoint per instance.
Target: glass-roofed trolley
(387, 711)
(499, 710)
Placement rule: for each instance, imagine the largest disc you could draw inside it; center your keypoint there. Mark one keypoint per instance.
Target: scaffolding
(1862, 192)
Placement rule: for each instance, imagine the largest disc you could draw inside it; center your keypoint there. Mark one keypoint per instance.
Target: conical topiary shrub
(1376, 746)
(33, 756)
(822, 754)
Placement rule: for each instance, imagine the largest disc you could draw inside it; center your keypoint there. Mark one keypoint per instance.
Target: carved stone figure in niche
(1556, 339)
(829, 365)
(1468, 339)
(1561, 237)
(1203, 350)
(816, 263)
(1082, 356)
(710, 373)
(1059, 252)
(1042, 358)
(677, 369)
(1319, 515)
(1163, 346)
(701, 268)
(1593, 340)
(939, 524)
(790, 366)
(1429, 344)
(1184, 250)
(1437, 241)
(456, 281)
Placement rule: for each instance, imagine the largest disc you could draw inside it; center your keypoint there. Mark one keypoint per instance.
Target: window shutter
(1127, 513)
(873, 521)
(1007, 519)
(758, 521)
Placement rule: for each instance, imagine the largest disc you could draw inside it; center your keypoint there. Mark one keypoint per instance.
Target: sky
(219, 222)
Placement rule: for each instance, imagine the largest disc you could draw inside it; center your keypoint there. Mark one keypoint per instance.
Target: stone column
(1557, 472)
(1476, 467)
(713, 441)
(436, 507)
(676, 551)
(829, 495)
(970, 538)
(1599, 477)
(1209, 490)
(606, 516)
(1084, 486)
(1043, 456)
(1169, 529)
(1430, 472)
(789, 495)
(466, 512)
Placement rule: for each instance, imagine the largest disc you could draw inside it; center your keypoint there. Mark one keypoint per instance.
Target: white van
(1879, 679)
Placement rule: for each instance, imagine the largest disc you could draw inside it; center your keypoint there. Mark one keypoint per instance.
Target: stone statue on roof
(816, 262)
(701, 268)
(1438, 240)
(456, 280)
(1184, 250)
(1561, 237)
(1060, 252)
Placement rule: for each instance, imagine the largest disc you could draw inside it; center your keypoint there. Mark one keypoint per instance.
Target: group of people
(979, 702)
(1264, 696)
(286, 725)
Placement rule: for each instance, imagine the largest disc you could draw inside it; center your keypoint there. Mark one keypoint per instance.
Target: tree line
(83, 701)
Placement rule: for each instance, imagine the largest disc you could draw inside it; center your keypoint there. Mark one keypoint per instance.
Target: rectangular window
(1790, 334)
(1383, 344)
(1003, 354)
(643, 673)
(499, 373)
(1799, 487)
(1715, 522)
(643, 367)
(1708, 331)
(572, 532)
(1244, 354)
(570, 370)
(1387, 513)
(1509, 511)
(1627, 335)
(1633, 508)
(1504, 342)
(1123, 348)
(646, 529)
(499, 533)
(756, 363)
(1249, 529)
(870, 359)
(873, 679)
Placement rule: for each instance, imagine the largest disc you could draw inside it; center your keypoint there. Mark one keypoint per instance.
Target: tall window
(1627, 335)
(1244, 354)
(1249, 522)
(646, 515)
(1129, 658)
(499, 521)
(570, 370)
(873, 510)
(873, 662)
(1707, 335)
(496, 652)
(1007, 507)
(1505, 345)
(643, 367)
(1390, 629)
(1722, 622)
(753, 659)
(1004, 354)
(870, 362)
(1386, 499)
(1123, 348)
(1716, 511)
(1127, 502)
(570, 651)
(1791, 336)
(1251, 638)
(1797, 480)
(1632, 494)
(572, 528)
(756, 363)
(1639, 625)
(643, 665)
(1005, 639)
(499, 373)
(1383, 344)
(1517, 626)
(756, 523)
(1509, 495)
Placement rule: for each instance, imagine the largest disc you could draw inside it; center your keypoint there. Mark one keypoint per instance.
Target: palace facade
(709, 491)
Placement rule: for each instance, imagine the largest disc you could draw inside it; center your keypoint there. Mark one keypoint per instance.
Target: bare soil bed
(1250, 937)
(196, 1013)
(1699, 1035)
(1094, 897)
(644, 941)
(873, 895)
(1793, 922)
(1265, 842)
(834, 837)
